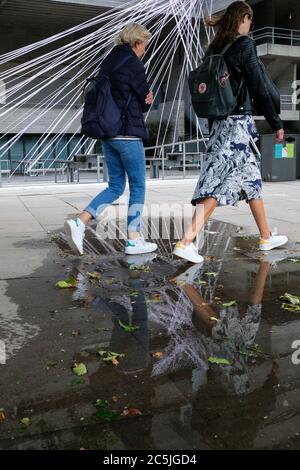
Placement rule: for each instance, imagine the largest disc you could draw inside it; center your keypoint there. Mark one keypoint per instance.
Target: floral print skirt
(230, 169)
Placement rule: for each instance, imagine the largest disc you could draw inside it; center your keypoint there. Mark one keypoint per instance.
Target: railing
(286, 103)
(160, 153)
(4, 169)
(270, 35)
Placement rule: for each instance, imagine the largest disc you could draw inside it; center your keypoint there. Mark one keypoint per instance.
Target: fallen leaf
(290, 307)
(292, 299)
(128, 328)
(220, 286)
(2, 415)
(102, 403)
(212, 274)
(219, 360)
(80, 369)
(143, 268)
(76, 333)
(131, 412)
(25, 421)
(229, 304)
(109, 356)
(114, 399)
(107, 415)
(294, 260)
(214, 319)
(134, 294)
(94, 275)
(158, 355)
(201, 282)
(68, 284)
(217, 298)
(104, 413)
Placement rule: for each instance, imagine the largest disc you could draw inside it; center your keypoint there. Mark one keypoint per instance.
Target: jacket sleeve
(257, 86)
(139, 84)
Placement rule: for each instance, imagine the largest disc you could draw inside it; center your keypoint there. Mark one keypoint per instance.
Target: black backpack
(102, 117)
(210, 88)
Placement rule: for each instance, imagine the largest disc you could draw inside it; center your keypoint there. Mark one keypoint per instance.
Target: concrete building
(277, 33)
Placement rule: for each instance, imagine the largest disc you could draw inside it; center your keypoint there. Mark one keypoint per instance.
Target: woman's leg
(75, 228)
(133, 158)
(203, 211)
(116, 184)
(258, 211)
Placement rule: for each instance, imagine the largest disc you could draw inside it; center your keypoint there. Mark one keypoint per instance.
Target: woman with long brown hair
(231, 167)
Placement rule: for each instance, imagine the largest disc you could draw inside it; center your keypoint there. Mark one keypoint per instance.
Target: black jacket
(257, 95)
(128, 81)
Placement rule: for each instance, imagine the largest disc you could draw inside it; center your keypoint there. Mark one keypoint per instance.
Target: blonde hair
(133, 34)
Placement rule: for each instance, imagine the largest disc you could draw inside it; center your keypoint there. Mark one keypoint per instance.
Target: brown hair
(228, 22)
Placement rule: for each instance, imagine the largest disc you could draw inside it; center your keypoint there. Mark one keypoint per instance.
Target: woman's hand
(279, 136)
(149, 98)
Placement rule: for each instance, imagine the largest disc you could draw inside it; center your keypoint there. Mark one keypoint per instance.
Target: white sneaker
(75, 230)
(139, 246)
(273, 242)
(188, 252)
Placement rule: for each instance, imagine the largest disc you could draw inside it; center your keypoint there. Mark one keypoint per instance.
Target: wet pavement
(203, 355)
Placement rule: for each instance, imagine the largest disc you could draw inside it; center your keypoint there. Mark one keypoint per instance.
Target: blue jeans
(123, 157)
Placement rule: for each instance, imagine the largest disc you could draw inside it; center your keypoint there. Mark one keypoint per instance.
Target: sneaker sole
(72, 245)
(273, 246)
(187, 258)
(139, 252)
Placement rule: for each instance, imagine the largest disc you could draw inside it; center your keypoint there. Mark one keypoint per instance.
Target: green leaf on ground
(107, 415)
(219, 360)
(104, 413)
(212, 274)
(290, 307)
(292, 299)
(26, 421)
(110, 357)
(128, 328)
(201, 282)
(294, 260)
(67, 284)
(229, 304)
(144, 268)
(80, 369)
(134, 294)
(102, 403)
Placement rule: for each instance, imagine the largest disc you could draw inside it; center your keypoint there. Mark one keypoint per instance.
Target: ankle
(265, 235)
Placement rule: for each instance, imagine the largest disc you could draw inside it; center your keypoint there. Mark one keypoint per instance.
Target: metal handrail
(277, 35)
(184, 143)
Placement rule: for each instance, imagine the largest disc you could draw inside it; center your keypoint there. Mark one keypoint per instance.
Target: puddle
(206, 351)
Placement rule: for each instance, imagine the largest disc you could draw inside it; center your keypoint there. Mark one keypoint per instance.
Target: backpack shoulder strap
(223, 51)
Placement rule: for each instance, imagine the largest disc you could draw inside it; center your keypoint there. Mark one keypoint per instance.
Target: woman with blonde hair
(231, 167)
(124, 153)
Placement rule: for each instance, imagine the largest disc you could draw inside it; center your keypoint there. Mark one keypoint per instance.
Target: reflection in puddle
(206, 348)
